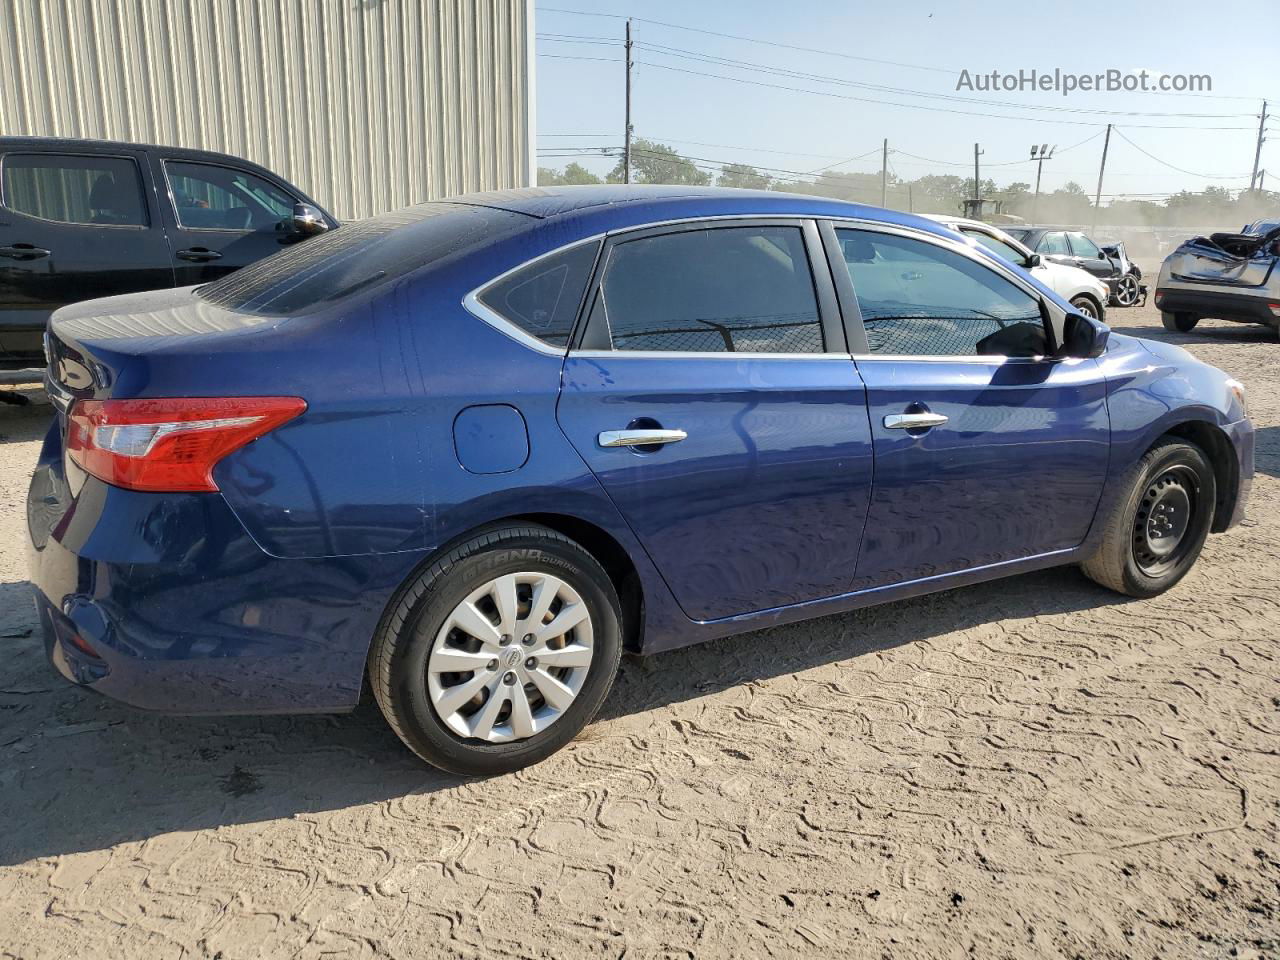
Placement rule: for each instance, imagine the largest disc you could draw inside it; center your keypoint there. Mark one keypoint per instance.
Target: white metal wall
(367, 105)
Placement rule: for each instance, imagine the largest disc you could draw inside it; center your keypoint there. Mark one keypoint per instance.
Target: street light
(1039, 153)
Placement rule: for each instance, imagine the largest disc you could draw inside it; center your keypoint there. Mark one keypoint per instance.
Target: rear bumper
(1221, 305)
(164, 602)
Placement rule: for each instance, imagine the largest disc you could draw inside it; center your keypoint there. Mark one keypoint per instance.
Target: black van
(91, 218)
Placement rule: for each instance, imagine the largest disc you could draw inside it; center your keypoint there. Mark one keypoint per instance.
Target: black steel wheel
(1155, 527)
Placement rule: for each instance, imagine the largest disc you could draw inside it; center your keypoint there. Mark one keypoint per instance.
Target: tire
(412, 644)
(1127, 560)
(1085, 305)
(1127, 292)
(1178, 322)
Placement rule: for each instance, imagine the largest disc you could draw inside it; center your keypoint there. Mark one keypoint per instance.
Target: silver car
(1230, 276)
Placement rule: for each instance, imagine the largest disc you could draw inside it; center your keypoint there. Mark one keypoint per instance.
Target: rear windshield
(357, 256)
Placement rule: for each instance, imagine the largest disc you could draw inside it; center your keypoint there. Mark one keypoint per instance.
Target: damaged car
(1228, 276)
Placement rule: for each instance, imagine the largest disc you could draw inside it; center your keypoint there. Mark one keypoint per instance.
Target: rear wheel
(1086, 306)
(498, 653)
(1156, 531)
(1178, 322)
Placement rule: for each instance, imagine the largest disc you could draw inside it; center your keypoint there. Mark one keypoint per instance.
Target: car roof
(655, 203)
(88, 145)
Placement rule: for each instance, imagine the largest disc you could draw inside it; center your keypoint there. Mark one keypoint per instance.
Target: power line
(1190, 173)
(905, 91)
(910, 106)
(733, 36)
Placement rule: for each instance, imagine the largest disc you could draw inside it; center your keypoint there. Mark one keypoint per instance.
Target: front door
(72, 227)
(713, 397)
(1088, 256)
(985, 452)
(220, 218)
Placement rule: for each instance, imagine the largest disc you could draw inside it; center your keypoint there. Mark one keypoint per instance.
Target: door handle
(639, 438)
(23, 251)
(198, 254)
(914, 421)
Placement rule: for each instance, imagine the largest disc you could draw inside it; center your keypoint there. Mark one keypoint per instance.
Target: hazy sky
(930, 43)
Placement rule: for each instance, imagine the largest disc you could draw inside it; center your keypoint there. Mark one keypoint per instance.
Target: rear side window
(1054, 244)
(358, 256)
(542, 299)
(211, 197)
(106, 191)
(716, 290)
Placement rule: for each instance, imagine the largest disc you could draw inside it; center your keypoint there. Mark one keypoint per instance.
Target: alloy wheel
(511, 658)
(1127, 290)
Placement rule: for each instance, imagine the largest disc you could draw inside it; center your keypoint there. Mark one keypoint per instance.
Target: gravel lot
(1029, 767)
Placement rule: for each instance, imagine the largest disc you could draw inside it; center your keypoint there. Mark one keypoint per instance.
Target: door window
(210, 197)
(714, 290)
(1082, 246)
(998, 246)
(921, 299)
(1055, 245)
(106, 191)
(542, 299)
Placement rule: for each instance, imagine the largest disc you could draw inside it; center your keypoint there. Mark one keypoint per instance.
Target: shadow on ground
(79, 772)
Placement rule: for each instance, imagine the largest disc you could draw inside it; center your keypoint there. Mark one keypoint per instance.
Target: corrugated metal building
(367, 105)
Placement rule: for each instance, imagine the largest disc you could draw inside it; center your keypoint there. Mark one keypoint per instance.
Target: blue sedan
(476, 449)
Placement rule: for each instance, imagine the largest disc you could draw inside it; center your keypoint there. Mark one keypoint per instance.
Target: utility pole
(1039, 153)
(1257, 153)
(1097, 200)
(626, 150)
(884, 174)
(977, 185)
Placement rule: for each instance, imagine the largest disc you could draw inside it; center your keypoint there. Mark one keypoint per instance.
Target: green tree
(743, 175)
(657, 163)
(577, 174)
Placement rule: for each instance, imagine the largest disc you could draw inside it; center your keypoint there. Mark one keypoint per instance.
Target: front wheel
(1086, 306)
(499, 652)
(1127, 290)
(1156, 531)
(1178, 322)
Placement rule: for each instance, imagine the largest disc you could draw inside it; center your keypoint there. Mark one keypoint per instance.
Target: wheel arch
(1210, 438)
(1097, 305)
(598, 542)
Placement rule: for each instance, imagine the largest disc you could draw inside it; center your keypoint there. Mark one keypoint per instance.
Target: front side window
(1082, 246)
(713, 290)
(106, 191)
(998, 247)
(1055, 245)
(542, 299)
(921, 299)
(210, 197)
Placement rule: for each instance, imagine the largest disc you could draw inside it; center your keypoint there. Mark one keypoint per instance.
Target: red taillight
(169, 444)
(1159, 297)
(1275, 308)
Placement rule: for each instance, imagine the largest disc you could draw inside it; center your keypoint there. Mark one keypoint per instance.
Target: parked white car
(1080, 288)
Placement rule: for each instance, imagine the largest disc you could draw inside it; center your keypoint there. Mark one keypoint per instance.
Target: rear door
(1053, 246)
(985, 451)
(713, 396)
(73, 226)
(220, 217)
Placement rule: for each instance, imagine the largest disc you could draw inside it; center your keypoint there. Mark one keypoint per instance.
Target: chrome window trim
(694, 354)
(473, 305)
(948, 358)
(173, 204)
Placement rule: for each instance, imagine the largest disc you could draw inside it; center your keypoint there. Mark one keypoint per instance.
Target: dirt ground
(1033, 767)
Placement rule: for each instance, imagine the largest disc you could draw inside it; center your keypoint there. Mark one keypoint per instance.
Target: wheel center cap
(512, 657)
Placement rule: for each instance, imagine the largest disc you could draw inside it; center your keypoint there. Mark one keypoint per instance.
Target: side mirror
(1083, 337)
(306, 221)
(1033, 260)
